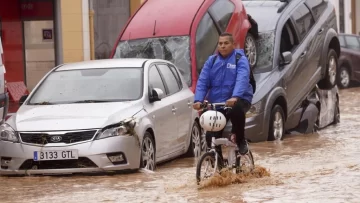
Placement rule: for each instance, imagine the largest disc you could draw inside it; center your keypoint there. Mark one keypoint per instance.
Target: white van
(4, 98)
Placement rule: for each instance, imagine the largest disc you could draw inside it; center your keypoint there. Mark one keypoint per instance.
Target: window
(82, 86)
(303, 20)
(317, 7)
(289, 40)
(342, 41)
(169, 78)
(155, 80)
(352, 42)
(176, 73)
(207, 38)
(222, 12)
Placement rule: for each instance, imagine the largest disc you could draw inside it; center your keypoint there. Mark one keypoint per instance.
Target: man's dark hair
(226, 34)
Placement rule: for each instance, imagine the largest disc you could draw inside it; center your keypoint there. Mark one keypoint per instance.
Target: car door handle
(173, 109)
(321, 30)
(189, 104)
(303, 54)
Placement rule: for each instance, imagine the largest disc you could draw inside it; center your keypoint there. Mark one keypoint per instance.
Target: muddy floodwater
(321, 167)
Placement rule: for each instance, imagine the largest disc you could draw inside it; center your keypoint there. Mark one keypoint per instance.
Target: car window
(169, 78)
(289, 41)
(342, 41)
(303, 20)
(155, 80)
(207, 38)
(352, 42)
(177, 76)
(222, 12)
(317, 7)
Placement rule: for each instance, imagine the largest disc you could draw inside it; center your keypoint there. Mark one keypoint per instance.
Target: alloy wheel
(250, 50)
(344, 78)
(332, 69)
(278, 126)
(148, 154)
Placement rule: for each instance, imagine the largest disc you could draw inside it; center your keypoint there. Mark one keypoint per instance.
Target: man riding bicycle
(224, 80)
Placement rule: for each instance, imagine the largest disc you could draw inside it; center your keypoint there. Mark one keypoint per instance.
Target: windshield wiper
(90, 101)
(42, 103)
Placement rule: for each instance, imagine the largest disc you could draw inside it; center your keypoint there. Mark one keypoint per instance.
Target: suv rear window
(317, 7)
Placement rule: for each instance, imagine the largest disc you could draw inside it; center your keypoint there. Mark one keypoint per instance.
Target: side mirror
(156, 95)
(23, 99)
(287, 58)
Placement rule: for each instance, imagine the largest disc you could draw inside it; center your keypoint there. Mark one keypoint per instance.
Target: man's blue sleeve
(203, 82)
(242, 78)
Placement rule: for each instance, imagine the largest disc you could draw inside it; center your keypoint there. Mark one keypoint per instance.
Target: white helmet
(212, 121)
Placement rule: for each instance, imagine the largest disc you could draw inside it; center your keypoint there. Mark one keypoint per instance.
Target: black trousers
(237, 117)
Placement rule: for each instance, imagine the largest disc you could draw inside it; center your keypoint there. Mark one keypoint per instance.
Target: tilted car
(186, 33)
(298, 49)
(102, 115)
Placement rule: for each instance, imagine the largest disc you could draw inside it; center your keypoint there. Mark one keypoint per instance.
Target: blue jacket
(224, 79)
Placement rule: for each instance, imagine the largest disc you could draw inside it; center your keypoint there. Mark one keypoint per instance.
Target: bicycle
(234, 158)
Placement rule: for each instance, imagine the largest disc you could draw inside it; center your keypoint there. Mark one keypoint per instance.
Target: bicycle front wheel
(207, 159)
(245, 163)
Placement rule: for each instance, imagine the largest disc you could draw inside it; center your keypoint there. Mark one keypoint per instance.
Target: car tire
(197, 142)
(277, 123)
(148, 143)
(250, 49)
(343, 80)
(329, 80)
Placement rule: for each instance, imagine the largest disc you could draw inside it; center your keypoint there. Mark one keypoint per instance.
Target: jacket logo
(231, 66)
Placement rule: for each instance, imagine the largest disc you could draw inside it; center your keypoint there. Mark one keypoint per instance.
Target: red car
(186, 32)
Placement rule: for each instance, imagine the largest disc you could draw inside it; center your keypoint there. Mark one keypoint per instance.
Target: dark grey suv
(298, 48)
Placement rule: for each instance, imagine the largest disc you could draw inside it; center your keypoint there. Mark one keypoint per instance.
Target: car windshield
(265, 44)
(90, 86)
(174, 49)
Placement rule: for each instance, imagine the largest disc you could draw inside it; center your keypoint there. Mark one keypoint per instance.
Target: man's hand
(230, 102)
(197, 105)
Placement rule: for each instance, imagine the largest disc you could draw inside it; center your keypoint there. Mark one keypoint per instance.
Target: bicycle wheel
(209, 159)
(241, 166)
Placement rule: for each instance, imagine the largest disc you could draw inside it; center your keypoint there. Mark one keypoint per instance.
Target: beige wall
(72, 30)
(39, 53)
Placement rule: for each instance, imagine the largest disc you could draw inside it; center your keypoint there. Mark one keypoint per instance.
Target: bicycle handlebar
(205, 105)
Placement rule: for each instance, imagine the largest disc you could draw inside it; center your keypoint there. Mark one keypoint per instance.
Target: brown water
(322, 167)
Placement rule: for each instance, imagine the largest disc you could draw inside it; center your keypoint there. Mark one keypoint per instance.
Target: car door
(180, 101)
(289, 42)
(184, 109)
(301, 81)
(316, 33)
(162, 115)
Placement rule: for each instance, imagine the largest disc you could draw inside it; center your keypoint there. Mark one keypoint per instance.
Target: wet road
(321, 167)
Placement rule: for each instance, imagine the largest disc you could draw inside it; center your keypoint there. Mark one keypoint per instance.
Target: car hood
(72, 116)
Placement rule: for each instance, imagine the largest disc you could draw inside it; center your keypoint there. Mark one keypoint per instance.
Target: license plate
(55, 155)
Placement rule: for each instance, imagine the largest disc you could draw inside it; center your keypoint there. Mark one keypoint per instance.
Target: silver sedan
(102, 115)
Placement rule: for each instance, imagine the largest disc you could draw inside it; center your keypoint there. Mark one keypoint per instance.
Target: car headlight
(254, 110)
(7, 133)
(113, 131)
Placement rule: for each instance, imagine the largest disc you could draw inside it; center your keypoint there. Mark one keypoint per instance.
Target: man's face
(225, 45)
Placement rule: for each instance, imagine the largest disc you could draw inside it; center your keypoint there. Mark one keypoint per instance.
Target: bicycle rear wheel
(209, 159)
